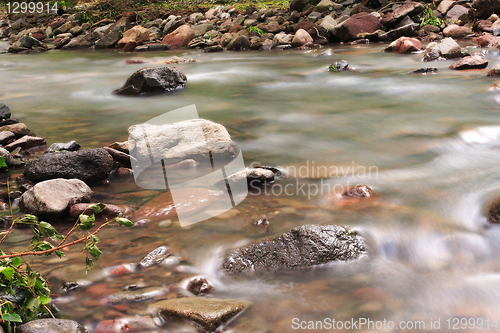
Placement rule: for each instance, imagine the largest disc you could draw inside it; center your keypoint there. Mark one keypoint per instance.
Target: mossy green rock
(207, 313)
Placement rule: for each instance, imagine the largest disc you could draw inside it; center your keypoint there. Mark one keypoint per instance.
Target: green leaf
(47, 230)
(42, 246)
(2, 162)
(87, 222)
(12, 317)
(98, 207)
(95, 252)
(89, 264)
(16, 262)
(124, 222)
(8, 272)
(44, 300)
(29, 219)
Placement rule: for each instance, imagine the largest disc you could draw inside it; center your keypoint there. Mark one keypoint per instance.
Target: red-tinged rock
(26, 142)
(483, 25)
(137, 34)
(122, 270)
(470, 62)
(112, 326)
(57, 24)
(487, 40)
(180, 37)
(38, 36)
(119, 325)
(305, 25)
(100, 290)
(111, 211)
(358, 24)
(235, 28)
(497, 86)
(405, 45)
(484, 8)
(130, 46)
(189, 201)
(137, 61)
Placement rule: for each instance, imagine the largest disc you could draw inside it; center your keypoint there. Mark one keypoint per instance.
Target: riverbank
(300, 24)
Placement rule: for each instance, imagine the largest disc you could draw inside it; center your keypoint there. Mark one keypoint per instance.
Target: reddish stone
(487, 40)
(132, 16)
(56, 24)
(306, 25)
(359, 24)
(406, 45)
(136, 61)
(100, 290)
(130, 46)
(235, 28)
(456, 31)
(470, 62)
(409, 8)
(38, 36)
(120, 270)
(180, 37)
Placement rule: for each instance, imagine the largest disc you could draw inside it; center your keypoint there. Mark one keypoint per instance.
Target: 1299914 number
(30, 7)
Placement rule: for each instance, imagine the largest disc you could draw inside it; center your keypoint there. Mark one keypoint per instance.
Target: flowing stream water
(428, 146)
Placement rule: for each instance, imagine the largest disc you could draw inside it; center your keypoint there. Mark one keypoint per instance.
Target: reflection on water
(433, 139)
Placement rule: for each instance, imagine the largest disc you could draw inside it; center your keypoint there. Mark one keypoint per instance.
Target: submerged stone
(303, 246)
(206, 313)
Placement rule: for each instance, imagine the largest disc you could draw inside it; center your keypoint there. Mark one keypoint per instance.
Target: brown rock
(487, 40)
(405, 45)
(456, 31)
(130, 46)
(26, 142)
(301, 38)
(162, 207)
(235, 28)
(458, 12)
(18, 129)
(358, 24)
(470, 62)
(137, 34)
(495, 71)
(306, 25)
(407, 9)
(6, 137)
(484, 8)
(297, 5)
(180, 37)
(199, 286)
(111, 211)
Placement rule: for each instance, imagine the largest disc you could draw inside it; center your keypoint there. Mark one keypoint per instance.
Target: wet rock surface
(303, 246)
(199, 286)
(88, 165)
(155, 257)
(182, 140)
(153, 80)
(470, 62)
(136, 295)
(51, 325)
(54, 197)
(207, 313)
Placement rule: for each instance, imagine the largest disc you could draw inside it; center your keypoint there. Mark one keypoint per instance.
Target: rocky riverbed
(166, 278)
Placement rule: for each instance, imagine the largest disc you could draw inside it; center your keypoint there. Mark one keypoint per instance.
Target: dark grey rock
(4, 111)
(69, 146)
(206, 313)
(153, 80)
(239, 43)
(89, 165)
(7, 137)
(52, 326)
(303, 246)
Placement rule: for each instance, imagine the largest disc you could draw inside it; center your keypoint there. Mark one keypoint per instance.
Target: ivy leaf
(124, 222)
(11, 317)
(87, 222)
(16, 262)
(89, 264)
(98, 207)
(2, 162)
(8, 272)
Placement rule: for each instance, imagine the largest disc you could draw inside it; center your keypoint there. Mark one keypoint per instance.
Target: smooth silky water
(428, 145)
